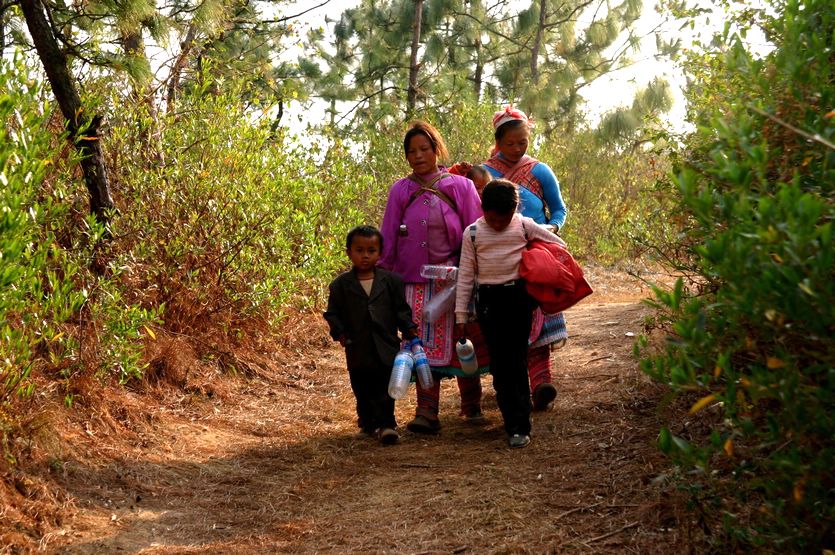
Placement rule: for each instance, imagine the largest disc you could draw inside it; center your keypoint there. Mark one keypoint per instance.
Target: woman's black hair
(500, 196)
(363, 231)
(427, 130)
(508, 126)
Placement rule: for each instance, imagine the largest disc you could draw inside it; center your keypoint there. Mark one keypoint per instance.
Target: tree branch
(816, 137)
(568, 16)
(179, 64)
(490, 29)
(289, 17)
(365, 99)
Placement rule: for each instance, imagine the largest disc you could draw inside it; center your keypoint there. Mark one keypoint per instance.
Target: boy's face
(364, 252)
(498, 221)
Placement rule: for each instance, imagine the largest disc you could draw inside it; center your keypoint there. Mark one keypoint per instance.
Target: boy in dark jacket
(366, 307)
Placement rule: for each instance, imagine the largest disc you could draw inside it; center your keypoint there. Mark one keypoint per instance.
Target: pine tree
(541, 58)
(370, 60)
(561, 48)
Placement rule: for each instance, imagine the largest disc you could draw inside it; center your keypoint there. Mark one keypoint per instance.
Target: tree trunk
(413, 63)
(83, 130)
(179, 65)
(277, 121)
(479, 69)
(537, 42)
(134, 47)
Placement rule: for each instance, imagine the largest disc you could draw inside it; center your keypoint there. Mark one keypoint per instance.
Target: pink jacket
(405, 254)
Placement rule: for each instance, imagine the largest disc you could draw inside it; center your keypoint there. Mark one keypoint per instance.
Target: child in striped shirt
(491, 253)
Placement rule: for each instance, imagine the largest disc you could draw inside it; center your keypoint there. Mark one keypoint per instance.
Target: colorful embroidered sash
(519, 173)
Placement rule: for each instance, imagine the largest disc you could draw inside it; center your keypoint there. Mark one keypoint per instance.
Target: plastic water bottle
(466, 355)
(440, 304)
(401, 374)
(439, 271)
(424, 373)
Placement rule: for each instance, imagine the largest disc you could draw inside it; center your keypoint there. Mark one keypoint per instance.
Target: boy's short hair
(363, 231)
(500, 195)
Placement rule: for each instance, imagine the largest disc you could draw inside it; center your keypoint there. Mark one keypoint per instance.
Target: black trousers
(505, 313)
(375, 408)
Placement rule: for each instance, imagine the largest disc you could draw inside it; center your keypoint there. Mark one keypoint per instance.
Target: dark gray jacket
(369, 322)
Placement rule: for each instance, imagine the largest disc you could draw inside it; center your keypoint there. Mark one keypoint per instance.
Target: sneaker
(366, 433)
(477, 418)
(543, 394)
(517, 441)
(422, 425)
(388, 436)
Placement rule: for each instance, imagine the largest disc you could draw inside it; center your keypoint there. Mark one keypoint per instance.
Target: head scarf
(509, 113)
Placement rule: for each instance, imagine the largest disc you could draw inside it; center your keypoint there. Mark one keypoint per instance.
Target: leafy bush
(50, 301)
(755, 330)
(466, 129)
(610, 193)
(223, 222)
(27, 310)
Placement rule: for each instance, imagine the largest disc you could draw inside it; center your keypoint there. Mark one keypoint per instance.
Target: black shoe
(388, 436)
(517, 441)
(476, 419)
(422, 425)
(543, 394)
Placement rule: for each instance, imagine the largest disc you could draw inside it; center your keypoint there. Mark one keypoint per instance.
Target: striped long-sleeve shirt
(494, 256)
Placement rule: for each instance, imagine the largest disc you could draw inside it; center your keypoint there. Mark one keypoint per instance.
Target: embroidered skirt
(437, 337)
(549, 329)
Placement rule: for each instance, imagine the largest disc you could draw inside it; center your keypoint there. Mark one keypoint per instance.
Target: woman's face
(514, 144)
(421, 156)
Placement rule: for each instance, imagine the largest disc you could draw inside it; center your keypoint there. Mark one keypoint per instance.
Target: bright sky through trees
(606, 93)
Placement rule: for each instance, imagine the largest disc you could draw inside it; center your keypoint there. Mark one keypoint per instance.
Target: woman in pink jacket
(424, 222)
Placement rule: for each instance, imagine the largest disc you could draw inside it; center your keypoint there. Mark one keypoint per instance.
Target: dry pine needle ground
(270, 461)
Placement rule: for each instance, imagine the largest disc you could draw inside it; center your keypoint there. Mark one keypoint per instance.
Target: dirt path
(276, 467)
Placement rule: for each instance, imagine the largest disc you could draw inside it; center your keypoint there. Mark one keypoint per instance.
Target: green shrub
(28, 303)
(56, 315)
(611, 194)
(221, 221)
(755, 330)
